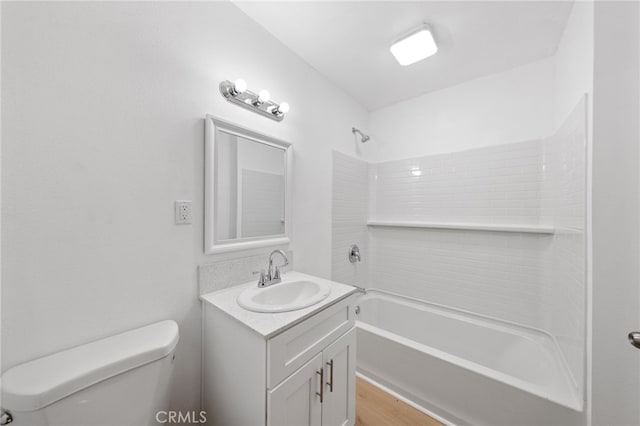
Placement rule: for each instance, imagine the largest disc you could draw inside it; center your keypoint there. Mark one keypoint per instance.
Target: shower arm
(364, 137)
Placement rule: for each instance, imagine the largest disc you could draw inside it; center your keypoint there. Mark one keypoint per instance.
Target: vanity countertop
(270, 324)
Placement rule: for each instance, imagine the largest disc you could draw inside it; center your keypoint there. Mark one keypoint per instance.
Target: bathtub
(464, 368)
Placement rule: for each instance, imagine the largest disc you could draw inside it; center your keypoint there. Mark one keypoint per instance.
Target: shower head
(363, 138)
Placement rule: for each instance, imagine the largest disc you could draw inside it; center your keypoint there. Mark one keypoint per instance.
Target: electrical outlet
(183, 212)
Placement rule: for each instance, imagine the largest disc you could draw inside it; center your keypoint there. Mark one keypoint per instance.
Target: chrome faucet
(272, 276)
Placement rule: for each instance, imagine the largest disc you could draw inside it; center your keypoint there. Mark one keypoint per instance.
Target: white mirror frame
(213, 124)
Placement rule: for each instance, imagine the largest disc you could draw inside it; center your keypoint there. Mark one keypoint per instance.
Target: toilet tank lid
(43, 381)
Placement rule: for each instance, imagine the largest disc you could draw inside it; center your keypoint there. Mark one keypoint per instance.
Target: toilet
(122, 380)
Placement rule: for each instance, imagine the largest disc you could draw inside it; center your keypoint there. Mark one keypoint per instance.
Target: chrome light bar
(237, 93)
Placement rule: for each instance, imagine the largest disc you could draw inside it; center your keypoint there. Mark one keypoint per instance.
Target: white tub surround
(293, 367)
(492, 185)
(497, 231)
(349, 212)
(482, 370)
(466, 226)
(564, 282)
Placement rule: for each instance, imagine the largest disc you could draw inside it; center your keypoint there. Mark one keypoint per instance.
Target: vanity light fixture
(239, 86)
(283, 108)
(414, 46)
(263, 96)
(237, 93)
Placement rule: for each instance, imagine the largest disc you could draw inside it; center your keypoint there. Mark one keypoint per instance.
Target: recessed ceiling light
(415, 46)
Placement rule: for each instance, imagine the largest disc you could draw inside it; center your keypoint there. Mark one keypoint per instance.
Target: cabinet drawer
(292, 348)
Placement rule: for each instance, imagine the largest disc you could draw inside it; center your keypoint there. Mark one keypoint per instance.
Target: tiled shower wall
(533, 279)
(563, 307)
(349, 219)
(495, 274)
(497, 184)
(491, 273)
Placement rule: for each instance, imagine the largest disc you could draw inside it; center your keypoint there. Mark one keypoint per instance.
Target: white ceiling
(349, 42)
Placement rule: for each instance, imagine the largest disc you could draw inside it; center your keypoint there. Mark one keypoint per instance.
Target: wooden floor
(374, 407)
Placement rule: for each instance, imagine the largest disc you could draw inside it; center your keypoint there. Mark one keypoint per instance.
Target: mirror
(246, 188)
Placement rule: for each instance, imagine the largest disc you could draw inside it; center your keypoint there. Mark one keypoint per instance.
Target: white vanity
(294, 368)
(280, 349)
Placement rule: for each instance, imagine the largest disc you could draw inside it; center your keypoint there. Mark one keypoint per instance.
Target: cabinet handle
(321, 393)
(330, 382)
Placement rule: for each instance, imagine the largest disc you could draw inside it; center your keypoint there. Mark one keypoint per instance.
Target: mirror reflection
(250, 188)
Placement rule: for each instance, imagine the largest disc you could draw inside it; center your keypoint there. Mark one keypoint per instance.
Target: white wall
(511, 106)
(103, 106)
(573, 63)
(616, 209)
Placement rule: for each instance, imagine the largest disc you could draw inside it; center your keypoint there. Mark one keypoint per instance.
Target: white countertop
(270, 324)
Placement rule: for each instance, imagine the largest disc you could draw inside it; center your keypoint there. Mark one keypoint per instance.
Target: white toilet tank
(123, 380)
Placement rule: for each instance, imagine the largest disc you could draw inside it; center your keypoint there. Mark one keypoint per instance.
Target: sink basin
(283, 297)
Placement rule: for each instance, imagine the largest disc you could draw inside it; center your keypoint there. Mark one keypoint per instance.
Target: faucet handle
(262, 282)
(354, 254)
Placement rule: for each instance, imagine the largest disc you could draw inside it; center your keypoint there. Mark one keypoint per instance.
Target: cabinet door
(296, 401)
(339, 359)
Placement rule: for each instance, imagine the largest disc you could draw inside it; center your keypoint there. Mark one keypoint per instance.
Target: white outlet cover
(183, 212)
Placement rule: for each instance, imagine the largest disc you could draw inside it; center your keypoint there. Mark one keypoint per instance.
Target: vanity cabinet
(339, 361)
(319, 393)
(301, 374)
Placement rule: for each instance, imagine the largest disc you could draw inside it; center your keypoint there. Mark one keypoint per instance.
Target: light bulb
(239, 86)
(283, 108)
(264, 96)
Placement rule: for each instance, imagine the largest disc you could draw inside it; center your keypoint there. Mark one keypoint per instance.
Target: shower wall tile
(349, 217)
(498, 184)
(563, 307)
(532, 279)
(490, 273)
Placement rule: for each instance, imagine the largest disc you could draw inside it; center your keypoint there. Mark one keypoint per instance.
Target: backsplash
(227, 273)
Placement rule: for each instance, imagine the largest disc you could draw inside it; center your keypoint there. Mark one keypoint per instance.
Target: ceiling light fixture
(414, 46)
